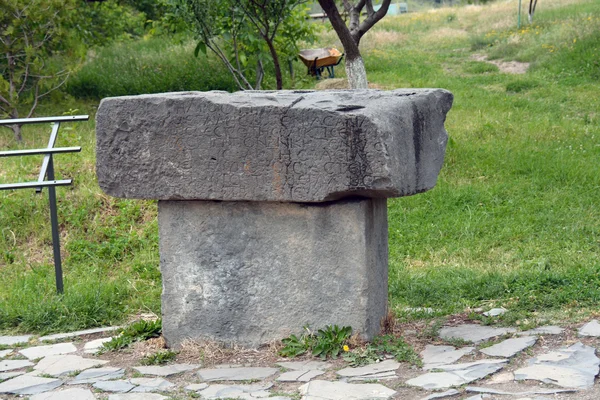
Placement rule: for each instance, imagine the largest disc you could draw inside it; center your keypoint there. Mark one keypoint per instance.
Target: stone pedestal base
(253, 272)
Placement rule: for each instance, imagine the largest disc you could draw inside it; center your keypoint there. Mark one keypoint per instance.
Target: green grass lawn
(513, 221)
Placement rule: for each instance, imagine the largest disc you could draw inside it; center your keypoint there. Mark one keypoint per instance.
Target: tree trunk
(356, 72)
(17, 131)
(275, 58)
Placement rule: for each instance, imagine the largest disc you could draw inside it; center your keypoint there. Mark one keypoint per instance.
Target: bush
(147, 66)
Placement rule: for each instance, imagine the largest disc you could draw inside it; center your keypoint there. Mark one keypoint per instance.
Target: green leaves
(327, 342)
(201, 46)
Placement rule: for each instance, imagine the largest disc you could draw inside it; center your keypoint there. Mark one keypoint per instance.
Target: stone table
(272, 205)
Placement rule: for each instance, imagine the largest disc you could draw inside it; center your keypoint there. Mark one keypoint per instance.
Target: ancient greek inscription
(267, 152)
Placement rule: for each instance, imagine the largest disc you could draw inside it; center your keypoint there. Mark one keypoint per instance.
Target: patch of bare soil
(509, 67)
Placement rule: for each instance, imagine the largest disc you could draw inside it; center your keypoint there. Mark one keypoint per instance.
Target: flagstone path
(548, 362)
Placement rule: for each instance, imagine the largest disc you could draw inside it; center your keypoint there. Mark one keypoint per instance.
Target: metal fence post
(55, 232)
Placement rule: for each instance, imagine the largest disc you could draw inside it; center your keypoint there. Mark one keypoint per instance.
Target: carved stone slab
(289, 146)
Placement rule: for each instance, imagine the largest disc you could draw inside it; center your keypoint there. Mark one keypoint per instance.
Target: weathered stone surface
(219, 391)
(118, 386)
(457, 374)
(252, 272)
(509, 347)
(4, 353)
(26, 384)
(592, 328)
(475, 389)
(324, 390)
(51, 350)
(10, 365)
(299, 376)
(137, 396)
(68, 394)
(196, 387)
(150, 384)
(371, 369)
(494, 312)
(166, 370)
(304, 365)
(473, 332)
(271, 146)
(542, 330)
(236, 374)
(98, 374)
(69, 335)
(434, 356)
(572, 367)
(95, 345)
(13, 340)
(65, 364)
(7, 375)
(447, 393)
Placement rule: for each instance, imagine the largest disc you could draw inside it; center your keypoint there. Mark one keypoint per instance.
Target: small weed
(159, 358)
(327, 342)
(379, 348)
(136, 332)
(330, 341)
(433, 330)
(457, 342)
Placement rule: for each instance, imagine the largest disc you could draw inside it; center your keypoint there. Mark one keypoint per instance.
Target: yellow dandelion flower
(346, 348)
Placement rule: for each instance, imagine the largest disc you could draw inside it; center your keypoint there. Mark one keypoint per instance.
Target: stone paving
(547, 362)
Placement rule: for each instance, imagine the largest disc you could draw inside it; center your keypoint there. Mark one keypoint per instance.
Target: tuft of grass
(135, 332)
(159, 358)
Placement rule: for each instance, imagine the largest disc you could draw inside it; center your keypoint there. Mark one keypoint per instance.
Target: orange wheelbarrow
(317, 60)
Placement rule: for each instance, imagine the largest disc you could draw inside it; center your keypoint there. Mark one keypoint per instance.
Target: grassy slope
(512, 221)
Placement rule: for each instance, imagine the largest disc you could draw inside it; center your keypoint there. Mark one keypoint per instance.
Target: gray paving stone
(196, 387)
(50, 350)
(9, 365)
(436, 380)
(219, 391)
(304, 365)
(379, 376)
(236, 374)
(28, 385)
(93, 375)
(118, 386)
(572, 367)
(509, 347)
(70, 335)
(93, 346)
(4, 353)
(457, 374)
(440, 355)
(150, 384)
(325, 390)
(299, 376)
(137, 396)
(447, 393)
(592, 328)
(7, 375)
(494, 312)
(67, 394)
(473, 332)
(61, 365)
(543, 330)
(476, 389)
(14, 340)
(166, 370)
(371, 369)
